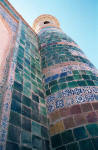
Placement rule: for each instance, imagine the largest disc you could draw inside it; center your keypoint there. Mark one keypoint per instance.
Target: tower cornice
(50, 20)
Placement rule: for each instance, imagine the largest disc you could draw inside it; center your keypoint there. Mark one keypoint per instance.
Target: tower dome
(44, 21)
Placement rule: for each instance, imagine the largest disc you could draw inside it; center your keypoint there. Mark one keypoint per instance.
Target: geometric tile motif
(71, 96)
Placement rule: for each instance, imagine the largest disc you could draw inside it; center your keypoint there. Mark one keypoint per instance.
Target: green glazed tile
(27, 56)
(62, 86)
(17, 70)
(40, 86)
(33, 87)
(27, 72)
(43, 110)
(48, 92)
(11, 146)
(34, 82)
(26, 124)
(72, 84)
(26, 92)
(21, 49)
(69, 78)
(83, 71)
(19, 77)
(26, 65)
(26, 138)
(77, 77)
(39, 80)
(15, 119)
(26, 148)
(86, 76)
(44, 132)
(54, 89)
(35, 97)
(61, 148)
(82, 83)
(90, 83)
(61, 80)
(26, 111)
(95, 143)
(36, 128)
(93, 77)
(36, 90)
(73, 146)
(27, 77)
(42, 100)
(36, 142)
(50, 63)
(19, 60)
(92, 129)
(16, 95)
(26, 101)
(13, 134)
(67, 137)
(56, 140)
(52, 83)
(32, 76)
(18, 86)
(96, 83)
(88, 72)
(75, 72)
(80, 133)
(27, 84)
(86, 145)
(20, 54)
(21, 41)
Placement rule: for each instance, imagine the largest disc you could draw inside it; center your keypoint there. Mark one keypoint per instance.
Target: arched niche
(5, 41)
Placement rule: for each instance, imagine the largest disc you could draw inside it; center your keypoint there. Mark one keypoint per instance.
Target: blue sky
(78, 19)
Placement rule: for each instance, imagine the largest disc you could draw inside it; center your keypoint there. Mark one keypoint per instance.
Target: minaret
(71, 87)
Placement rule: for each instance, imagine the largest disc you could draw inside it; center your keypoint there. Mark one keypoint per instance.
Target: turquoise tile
(27, 92)
(72, 84)
(56, 140)
(26, 138)
(43, 110)
(14, 134)
(11, 146)
(80, 133)
(26, 101)
(86, 145)
(67, 137)
(73, 146)
(54, 89)
(15, 119)
(27, 84)
(36, 128)
(95, 143)
(92, 129)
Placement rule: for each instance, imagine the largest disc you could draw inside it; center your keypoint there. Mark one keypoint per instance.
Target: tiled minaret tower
(71, 87)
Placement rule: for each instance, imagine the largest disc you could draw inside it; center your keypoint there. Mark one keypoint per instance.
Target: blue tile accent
(48, 79)
(59, 103)
(63, 74)
(55, 77)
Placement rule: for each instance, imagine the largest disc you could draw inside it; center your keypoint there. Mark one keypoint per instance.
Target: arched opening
(46, 22)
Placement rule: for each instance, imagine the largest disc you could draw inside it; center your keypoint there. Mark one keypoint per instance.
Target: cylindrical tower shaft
(71, 86)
